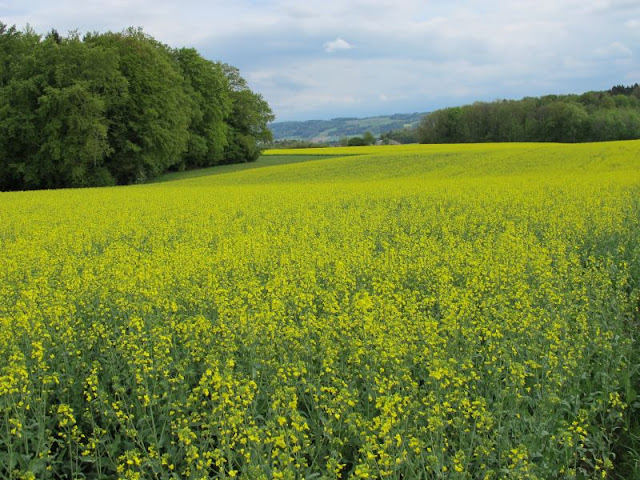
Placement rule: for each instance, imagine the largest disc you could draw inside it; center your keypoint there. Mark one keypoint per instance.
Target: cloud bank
(413, 55)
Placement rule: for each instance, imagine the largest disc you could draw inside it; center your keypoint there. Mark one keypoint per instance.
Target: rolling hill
(334, 129)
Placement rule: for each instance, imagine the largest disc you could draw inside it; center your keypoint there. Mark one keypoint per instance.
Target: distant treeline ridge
(117, 108)
(590, 117)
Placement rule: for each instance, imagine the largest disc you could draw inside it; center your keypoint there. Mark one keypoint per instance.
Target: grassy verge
(262, 162)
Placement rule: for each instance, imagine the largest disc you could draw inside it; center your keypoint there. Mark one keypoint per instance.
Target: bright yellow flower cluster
(407, 312)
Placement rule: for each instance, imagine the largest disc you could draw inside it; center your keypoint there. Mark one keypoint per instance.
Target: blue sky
(334, 58)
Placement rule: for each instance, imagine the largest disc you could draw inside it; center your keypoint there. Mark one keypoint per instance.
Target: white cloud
(337, 44)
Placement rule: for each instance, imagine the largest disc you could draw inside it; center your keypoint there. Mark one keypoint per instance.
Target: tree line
(118, 108)
(590, 117)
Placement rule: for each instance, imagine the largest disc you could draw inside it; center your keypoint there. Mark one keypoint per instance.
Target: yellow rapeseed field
(411, 312)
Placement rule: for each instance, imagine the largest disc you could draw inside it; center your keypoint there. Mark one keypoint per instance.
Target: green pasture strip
(267, 160)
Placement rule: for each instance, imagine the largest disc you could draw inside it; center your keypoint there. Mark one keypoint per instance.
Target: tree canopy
(117, 108)
(590, 117)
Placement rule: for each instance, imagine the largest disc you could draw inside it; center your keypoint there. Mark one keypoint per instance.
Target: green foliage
(592, 116)
(402, 136)
(296, 144)
(356, 142)
(368, 138)
(149, 119)
(248, 122)
(117, 108)
(54, 114)
(206, 86)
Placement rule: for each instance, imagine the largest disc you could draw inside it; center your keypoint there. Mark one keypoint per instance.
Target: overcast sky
(323, 59)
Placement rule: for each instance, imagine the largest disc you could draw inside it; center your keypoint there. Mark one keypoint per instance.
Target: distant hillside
(333, 130)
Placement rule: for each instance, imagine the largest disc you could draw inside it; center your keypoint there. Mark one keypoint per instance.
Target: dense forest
(117, 108)
(590, 117)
